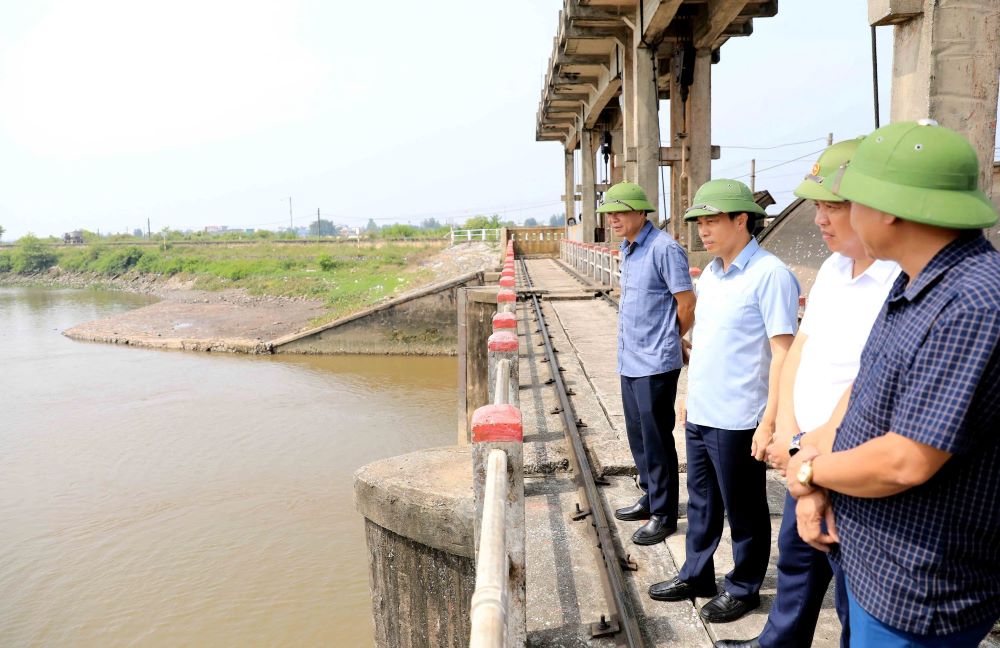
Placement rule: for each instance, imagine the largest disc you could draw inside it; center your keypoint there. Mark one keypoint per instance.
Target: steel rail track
(579, 277)
(623, 622)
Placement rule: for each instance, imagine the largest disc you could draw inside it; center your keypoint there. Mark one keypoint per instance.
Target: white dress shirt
(839, 315)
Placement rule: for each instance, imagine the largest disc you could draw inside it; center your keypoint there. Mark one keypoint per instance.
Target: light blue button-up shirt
(737, 313)
(653, 269)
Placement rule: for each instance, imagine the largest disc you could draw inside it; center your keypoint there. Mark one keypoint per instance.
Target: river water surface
(158, 498)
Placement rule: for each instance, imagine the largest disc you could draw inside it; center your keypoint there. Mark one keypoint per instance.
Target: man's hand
(810, 512)
(685, 351)
(794, 486)
(761, 438)
(777, 450)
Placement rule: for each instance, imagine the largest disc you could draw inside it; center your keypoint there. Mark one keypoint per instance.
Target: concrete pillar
(588, 210)
(476, 308)
(569, 197)
(628, 112)
(945, 66)
(678, 187)
(647, 135)
(699, 122)
(419, 517)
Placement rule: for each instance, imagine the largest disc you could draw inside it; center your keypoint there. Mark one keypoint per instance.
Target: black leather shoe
(678, 590)
(654, 531)
(631, 513)
(725, 608)
(738, 643)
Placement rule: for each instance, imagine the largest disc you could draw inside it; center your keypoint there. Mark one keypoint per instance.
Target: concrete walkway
(564, 593)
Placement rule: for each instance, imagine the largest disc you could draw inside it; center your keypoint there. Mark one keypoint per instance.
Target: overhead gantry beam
(721, 14)
(658, 14)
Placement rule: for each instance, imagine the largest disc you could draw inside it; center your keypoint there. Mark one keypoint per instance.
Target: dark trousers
(649, 420)
(724, 479)
(804, 574)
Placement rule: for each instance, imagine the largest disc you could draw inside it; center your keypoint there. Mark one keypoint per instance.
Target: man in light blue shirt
(746, 316)
(656, 307)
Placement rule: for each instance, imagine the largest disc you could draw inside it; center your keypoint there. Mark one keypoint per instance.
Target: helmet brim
(625, 206)
(812, 190)
(724, 206)
(938, 207)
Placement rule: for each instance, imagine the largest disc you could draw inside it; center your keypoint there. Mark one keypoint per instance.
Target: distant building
(216, 229)
(73, 238)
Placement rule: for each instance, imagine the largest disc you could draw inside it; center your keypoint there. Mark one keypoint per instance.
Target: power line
(776, 146)
(782, 163)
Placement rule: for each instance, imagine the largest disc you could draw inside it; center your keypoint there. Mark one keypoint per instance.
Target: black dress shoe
(725, 607)
(738, 643)
(654, 531)
(678, 590)
(631, 513)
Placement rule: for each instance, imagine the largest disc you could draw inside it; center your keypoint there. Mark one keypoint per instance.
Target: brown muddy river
(152, 498)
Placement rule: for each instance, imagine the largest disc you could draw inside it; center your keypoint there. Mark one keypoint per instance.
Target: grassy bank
(347, 277)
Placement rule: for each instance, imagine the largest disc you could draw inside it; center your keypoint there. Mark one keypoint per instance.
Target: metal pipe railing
(489, 600)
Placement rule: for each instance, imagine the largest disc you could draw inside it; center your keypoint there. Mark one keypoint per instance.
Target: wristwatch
(794, 446)
(805, 474)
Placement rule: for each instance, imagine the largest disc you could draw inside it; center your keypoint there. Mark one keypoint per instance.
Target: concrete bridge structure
(614, 61)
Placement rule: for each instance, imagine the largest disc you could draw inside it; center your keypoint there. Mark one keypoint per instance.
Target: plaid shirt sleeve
(936, 393)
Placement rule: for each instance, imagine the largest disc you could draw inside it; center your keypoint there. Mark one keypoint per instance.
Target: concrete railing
(498, 602)
(592, 260)
(463, 235)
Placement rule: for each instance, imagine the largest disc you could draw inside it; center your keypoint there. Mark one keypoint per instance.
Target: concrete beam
(578, 12)
(657, 14)
(945, 64)
(893, 12)
(672, 154)
(720, 14)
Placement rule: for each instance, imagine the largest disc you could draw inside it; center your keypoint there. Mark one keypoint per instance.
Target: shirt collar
(640, 239)
(948, 257)
(741, 260)
(880, 271)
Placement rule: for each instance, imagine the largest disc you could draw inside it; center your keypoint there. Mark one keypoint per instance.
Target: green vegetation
(347, 276)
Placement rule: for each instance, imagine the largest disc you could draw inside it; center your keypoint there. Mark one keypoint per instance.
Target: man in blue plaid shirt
(913, 477)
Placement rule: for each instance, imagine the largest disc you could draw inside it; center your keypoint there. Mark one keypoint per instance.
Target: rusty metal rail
(622, 621)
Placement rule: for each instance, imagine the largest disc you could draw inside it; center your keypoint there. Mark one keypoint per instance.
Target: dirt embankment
(228, 320)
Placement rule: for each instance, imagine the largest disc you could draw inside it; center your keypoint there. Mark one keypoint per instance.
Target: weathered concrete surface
(418, 323)
(420, 595)
(425, 496)
(419, 518)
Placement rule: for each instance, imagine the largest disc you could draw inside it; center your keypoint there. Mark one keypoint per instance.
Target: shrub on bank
(30, 255)
(5, 262)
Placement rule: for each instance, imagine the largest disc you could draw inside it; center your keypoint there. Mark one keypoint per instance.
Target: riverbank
(244, 313)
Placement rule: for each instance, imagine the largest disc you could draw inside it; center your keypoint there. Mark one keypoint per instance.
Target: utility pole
(149, 231)
(829, 139)
(291, 227)
(318, 228)
(753, 175)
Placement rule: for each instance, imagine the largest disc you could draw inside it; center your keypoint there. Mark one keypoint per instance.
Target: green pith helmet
(918, 171)
(623, 197)
(722, 197)
(830, 160)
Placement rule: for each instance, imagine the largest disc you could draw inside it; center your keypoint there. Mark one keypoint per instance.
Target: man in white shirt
(846, 297)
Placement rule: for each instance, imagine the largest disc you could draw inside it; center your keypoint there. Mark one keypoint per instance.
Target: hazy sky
(214, 112)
